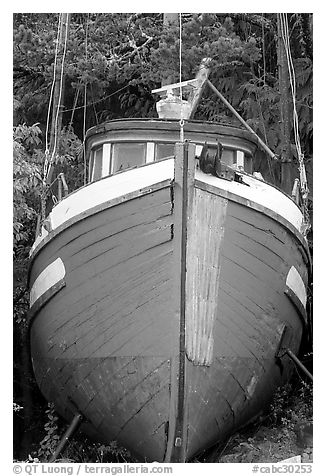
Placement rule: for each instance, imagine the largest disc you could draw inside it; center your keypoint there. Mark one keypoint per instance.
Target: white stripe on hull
(296, 284)
(261, 193)
(108, 188)
(50, 276)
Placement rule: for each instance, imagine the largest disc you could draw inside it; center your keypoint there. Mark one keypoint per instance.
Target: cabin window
(96, 163)
(163, 150)
(237, 159)
(127, 155)
(229, 157)
(248, 164)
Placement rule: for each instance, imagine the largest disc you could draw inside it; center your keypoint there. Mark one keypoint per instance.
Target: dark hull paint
(107, 343)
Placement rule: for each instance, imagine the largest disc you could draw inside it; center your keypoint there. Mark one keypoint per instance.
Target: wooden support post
(201, 77)
(243, 122)
(64, 440)
(298, 363)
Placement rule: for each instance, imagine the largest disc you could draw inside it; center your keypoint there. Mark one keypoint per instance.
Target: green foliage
(76, 451)
(26, 180)
(28, 161)
(69, 160)
(81, 450)
(51, 439)
(303, 69)
(291, 404)
(121, 57)
(26, 192)
(16, 407)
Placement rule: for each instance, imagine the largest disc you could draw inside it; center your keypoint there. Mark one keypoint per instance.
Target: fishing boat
(162, 291)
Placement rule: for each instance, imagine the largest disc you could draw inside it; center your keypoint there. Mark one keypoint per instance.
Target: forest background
(112, 62)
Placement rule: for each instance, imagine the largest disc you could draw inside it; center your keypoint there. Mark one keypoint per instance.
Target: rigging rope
(85, 102)
(180, 79)
(101, 100)
(49, 161)
(46, 161)
(60, 94)
(74, 106)
(270, 165)
(302, 171)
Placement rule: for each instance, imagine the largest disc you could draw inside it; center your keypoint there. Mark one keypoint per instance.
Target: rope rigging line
(270, 166)
(60, 95)
(45, 166)
(292, 79)
(180, 79)
(85, 102)
(285, 36)
(49, 161)
(100, 100)
(74, 106)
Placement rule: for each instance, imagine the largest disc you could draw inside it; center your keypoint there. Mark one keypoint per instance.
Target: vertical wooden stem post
(183, 194)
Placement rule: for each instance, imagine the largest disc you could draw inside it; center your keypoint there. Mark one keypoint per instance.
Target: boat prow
(161, 294)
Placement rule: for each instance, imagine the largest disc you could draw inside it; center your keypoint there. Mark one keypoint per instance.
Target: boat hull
(105, 335)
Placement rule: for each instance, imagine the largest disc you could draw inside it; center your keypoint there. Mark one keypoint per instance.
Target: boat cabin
(119, 145)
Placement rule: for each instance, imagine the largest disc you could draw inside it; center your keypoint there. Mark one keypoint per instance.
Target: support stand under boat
(296, 361)
(284, 350)
(64, 440)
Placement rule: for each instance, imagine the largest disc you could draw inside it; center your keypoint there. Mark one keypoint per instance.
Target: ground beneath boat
(267, 445)
(284, 432)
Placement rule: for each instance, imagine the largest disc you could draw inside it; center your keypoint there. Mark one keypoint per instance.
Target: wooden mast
(285, 119)
(169, 19)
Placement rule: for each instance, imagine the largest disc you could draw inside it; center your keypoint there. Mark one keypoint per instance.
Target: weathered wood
(183, 197)
(201, 77)
(247, 329)
(165, 334)
(93, 211)
(206, 231)
(256, 206)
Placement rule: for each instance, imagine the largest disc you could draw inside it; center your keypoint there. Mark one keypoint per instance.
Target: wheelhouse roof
(155, 129)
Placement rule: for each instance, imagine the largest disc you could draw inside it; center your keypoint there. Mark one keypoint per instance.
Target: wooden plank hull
(231, 369)
(107, 342)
